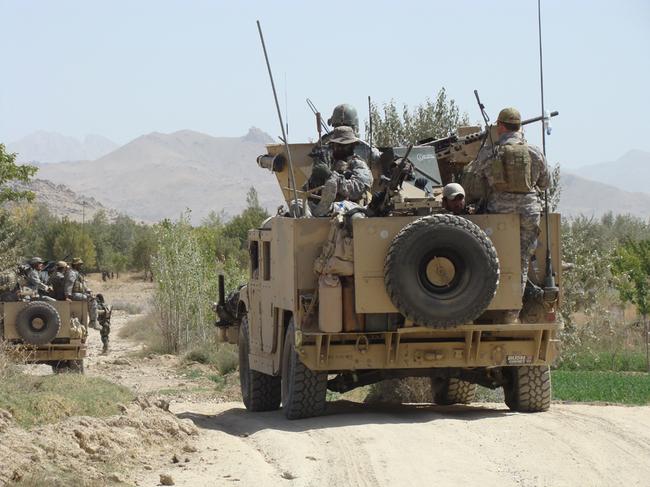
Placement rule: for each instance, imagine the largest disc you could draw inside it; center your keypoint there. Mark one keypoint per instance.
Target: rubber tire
(477, 271)
(452, 391)
(260, 392)
(304, 391)
(68, 367)
(528, 389)
(44, 311)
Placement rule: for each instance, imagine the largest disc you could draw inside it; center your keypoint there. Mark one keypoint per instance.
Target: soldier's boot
(105, 348)
(94, 325)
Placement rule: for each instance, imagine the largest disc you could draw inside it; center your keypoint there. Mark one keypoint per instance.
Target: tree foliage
(632, 264)
(12, 172)
(392, 126)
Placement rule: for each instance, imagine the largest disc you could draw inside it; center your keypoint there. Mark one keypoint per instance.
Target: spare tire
(38, 323)
(441, 270)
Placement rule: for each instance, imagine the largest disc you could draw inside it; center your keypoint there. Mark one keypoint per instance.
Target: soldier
(453, 199)
(57, 281)
(352, 179)
(75, 289)
(34, 281)
(345, 115)
(513, 173)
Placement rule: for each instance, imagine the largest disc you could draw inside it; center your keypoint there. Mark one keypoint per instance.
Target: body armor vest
(511, 169)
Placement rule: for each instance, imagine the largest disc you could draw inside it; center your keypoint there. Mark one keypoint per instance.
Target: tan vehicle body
(69, 343)
(282, 284)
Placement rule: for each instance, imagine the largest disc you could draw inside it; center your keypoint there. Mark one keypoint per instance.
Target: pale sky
(124, 68)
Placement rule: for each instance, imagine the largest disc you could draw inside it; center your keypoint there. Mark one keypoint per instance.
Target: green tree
(143, 251)
(72, 241)
(392, 126)
(632, 263)
(12, 172)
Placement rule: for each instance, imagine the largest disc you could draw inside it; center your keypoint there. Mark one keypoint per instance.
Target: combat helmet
(77, 261)
(36, 260)
(344, 114)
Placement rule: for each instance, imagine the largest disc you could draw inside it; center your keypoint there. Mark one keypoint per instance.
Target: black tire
(68, 367)
(38, 323)
(528, 389)
(469, 255)
(304, 391)
(452, 391)
(260, 392)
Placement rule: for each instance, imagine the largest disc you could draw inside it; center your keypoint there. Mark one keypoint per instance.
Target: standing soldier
(513, 173)
(75, 289)
(57, 281)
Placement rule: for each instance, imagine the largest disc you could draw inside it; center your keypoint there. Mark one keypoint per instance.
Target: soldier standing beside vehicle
(75, 289)
(513, 173)
(350, 180)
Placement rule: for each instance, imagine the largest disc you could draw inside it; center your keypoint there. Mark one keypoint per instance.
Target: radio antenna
(292, 178)
(549, 279)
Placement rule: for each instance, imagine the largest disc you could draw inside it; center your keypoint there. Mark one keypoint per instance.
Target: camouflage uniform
(527, 205)
(74, 287)
(340, 187)
(57, 282)
(34, 281)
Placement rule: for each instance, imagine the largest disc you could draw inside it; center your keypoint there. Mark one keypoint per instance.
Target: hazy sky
(126, 68)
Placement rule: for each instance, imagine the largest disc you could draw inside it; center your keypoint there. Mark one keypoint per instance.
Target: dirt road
(410, 445)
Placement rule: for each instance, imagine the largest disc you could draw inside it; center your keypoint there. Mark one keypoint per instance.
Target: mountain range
(630, 172)
(161, 175)
(45, 146)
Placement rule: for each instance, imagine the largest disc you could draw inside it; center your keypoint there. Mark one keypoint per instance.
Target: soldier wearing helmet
(34, 281)
(345, 115)
(513, 173)
(351, 178)
(76, 289)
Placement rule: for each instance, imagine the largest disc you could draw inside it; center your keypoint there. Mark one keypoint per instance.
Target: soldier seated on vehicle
(34, 281)
(57, 281)
(75, 289)
(345, 115)
(453, 199)
(351, 178)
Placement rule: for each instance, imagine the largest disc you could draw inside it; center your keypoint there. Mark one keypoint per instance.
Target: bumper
(462, 346)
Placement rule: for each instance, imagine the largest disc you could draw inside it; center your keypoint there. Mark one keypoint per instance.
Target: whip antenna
(549, 279)
(292, 178)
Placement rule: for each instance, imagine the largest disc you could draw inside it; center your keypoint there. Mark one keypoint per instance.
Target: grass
(601, 386)
(624, 360)
(223, 356)
(36, 400)
(129, 307)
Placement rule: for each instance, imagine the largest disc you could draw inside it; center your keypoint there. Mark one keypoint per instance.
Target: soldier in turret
(513, 173)
(345, 115)
(351, 178)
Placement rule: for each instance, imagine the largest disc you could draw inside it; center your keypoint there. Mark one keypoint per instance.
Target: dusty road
(364, 445)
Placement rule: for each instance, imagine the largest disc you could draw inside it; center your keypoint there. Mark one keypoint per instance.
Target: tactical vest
(79, 286)
(511, 169)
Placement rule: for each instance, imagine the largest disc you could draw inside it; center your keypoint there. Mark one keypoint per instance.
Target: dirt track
(363, 445)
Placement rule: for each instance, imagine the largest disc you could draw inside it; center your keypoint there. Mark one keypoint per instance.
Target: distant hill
(44, 146)
(630, 172)
(63, 202)
(160, 175)
(581, 196)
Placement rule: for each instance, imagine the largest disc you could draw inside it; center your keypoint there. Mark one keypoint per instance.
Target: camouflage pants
(105, 332)
(92, 304)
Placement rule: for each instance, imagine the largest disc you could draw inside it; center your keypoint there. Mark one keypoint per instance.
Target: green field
(601, 386)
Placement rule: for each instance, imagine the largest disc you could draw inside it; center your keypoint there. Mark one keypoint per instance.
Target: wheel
(441, 270)
(38, 323)
(260, 392)
(528, 389)
(68, 366)
(303, 390)
(452, 391)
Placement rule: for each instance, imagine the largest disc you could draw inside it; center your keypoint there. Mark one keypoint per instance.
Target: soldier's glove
(421, 183)
(319, 174)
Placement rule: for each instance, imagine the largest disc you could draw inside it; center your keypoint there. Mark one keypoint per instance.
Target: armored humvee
(45, 332)
(342, 302)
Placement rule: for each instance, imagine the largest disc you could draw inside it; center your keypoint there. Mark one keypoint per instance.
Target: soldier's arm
(541, 177)
(35, 281)
(67, 284)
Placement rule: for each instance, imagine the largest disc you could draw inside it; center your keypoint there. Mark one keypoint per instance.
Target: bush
(222, 356)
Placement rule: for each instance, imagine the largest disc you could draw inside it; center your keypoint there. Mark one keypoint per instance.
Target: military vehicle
(407, 290)
(33, 330)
